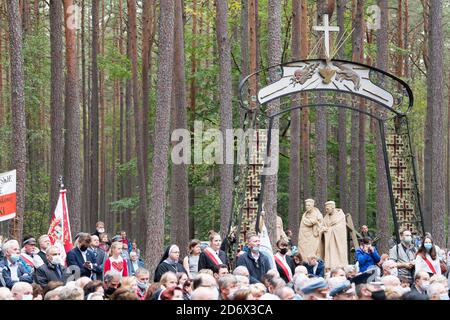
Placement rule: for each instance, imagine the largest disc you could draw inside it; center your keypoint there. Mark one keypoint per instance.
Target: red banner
(59, 231)
(7, 195)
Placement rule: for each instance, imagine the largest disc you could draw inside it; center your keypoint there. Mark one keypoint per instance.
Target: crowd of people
(99, 268)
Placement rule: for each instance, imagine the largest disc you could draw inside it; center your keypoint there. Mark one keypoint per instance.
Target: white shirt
(135, 265)
(84, 254)
(14, 268)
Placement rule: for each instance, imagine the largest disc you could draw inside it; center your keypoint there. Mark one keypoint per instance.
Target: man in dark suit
(11, 271)
(83, 258)
(256, 262)
(53, 269)
(100, 257)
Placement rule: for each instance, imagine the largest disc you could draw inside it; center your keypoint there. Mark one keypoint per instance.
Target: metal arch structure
(335, 84)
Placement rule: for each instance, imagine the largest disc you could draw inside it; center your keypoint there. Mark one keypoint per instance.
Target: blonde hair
(128, 282)
(212, 234)
(114, 245)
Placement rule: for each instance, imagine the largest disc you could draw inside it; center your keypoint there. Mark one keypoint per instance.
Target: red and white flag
(59, 231)
(7, 195)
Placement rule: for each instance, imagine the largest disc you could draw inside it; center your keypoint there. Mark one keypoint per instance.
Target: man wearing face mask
(22, 291)
(53, 270)
(257, 263)
(143, 277)
(421, 283)
(83, 258)
(285, 264)
(11, 270)
(404, 254)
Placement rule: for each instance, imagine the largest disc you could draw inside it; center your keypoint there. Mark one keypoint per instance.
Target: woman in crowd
(169, 262)
(212, 256)
(426, 257)
(190, 262)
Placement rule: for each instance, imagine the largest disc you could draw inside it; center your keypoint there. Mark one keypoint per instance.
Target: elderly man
(421, 282)
(22, 291)
(333, 246)
(343, 291)
(53, 270)
(143, 277)
(390, 268)
(205, 293)
(437, 291)
(285, 293)
(228, 285)
(134, 263)
(29, 255)
(41, 257)
(12, 270)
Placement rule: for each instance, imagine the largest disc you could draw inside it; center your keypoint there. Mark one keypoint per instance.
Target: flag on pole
(7, 195)
(265, 245)
(59, 231)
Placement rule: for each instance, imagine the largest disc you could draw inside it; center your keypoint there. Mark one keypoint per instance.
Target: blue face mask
(428, 246)
(15, 257)
(444, 296)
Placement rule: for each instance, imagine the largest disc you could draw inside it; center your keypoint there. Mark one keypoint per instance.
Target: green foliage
(125, 204)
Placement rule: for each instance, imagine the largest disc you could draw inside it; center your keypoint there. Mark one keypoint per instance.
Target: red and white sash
(429, 264)
(211, 254)
(284, 266)
(28, 259)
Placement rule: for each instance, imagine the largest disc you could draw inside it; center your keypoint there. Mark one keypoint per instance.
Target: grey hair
(47, 252)
(8, 244)
(240, 271)
(227, 280)
(141, 271)
(111, 274)
(434, 289)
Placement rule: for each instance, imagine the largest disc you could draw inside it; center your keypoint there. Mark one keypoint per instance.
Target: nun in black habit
(169, 262)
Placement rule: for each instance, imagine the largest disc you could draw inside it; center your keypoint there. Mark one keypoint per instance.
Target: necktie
(58, 270)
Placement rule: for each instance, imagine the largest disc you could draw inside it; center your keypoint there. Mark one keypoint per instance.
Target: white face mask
(56, 260)
(101, 230)
(27, 297)
(425, 285)
(444, 296)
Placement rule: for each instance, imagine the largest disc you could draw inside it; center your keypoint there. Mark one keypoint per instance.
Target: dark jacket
(75, 258)
(164, 267)
(48, 272)
(100, 258)
(291, 265)
(206, 263)
(255, 268)
(131, 271)
(5, 277)
(320, 271)
(43, 256)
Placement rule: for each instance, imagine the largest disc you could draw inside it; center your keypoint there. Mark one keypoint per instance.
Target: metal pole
(389, 181)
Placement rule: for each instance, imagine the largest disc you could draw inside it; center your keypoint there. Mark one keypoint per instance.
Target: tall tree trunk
(294, 156)
(275, 52)
(56, 100)
(342, 122)
(382, 194)
(226, 113)
(179, 181)
(244, 48)
(72, 122)
(399, 33)
(19, 130)
(406, 61)
(155, 223)
(101, 215)
(428, 147)
(94, 117)
(435, 101)
(142, 181)
(304, 115)
(448, 158)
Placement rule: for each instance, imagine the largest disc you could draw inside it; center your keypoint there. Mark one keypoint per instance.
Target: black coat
(75, 258)
(48, 272)
(256, 269)
(164, 267)
(291, 265)
(43, 256)
(206, 263)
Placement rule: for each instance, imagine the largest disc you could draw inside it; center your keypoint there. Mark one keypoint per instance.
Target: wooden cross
(395, 144)
(326, 28)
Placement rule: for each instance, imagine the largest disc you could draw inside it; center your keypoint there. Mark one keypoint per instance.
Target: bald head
(205, 293)
(22, 291)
